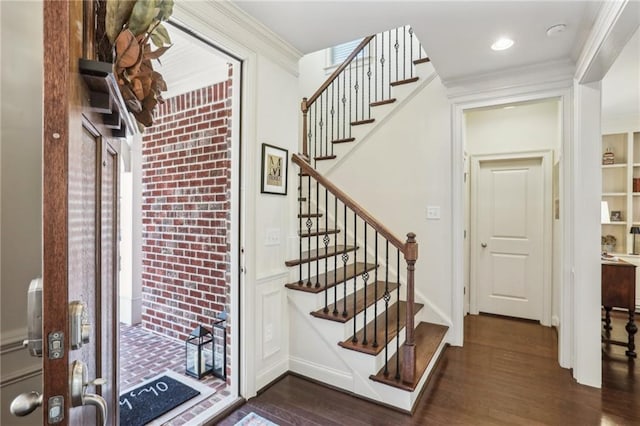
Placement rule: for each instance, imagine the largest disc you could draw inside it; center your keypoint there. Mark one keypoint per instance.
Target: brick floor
(144, 354)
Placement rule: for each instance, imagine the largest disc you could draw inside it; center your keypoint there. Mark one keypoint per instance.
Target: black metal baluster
(326, 121)
(344, 106)
(411, 50)
(387, 297)
(345, 258)
(398, 315)
(350, 110)
(309, 134)
(396, 46)
(315, 133)
(309, 223)
(355, 277)
(320, 128)
(375, 65)
(365, 278)
(335, 258)
(318, 232)
(382, 68)
(369, 84)
(362, 65)
(300, 227)
(356, 88)
(333, 111)
(404, 52)
(326, 241)
(375, 306)
(389, 65)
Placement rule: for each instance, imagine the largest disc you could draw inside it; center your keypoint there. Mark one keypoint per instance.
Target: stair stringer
(382, 115)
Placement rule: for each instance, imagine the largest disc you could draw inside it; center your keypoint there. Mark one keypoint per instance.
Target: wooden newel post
(304, 108)
(408, 350)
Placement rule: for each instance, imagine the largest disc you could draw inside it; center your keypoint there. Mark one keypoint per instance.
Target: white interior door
(509, 230)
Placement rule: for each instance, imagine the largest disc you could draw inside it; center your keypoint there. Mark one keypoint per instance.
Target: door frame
(546, 158)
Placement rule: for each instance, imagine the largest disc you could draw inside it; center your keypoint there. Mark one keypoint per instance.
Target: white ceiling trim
(238, 27)
(604, 43)
(558, 73)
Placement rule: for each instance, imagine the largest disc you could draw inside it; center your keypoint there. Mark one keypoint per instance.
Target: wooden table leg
(607, 318)
(631, 330)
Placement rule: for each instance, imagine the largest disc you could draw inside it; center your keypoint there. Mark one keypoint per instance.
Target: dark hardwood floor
(507, 373)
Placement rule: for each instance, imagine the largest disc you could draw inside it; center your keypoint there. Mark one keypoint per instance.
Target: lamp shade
(635, 230)
(604, 212)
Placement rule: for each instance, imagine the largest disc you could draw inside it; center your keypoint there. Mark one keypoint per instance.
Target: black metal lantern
(220, 348)
(199, 352)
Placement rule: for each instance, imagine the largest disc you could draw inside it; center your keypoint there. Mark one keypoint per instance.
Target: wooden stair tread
(342, 274)
(324, 157)
(304, 215)
(313, 255)
(360, 303)
(360, 122)
(421, 61)
(345, 140)
(385, 102)
(405, 81)
(428, 337)
(393, 330)
(314, 232)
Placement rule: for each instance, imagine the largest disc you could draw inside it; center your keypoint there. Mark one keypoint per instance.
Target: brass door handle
(483, 245)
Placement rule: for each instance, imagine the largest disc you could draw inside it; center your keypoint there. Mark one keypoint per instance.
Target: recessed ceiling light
(556, 29)
(502, 43)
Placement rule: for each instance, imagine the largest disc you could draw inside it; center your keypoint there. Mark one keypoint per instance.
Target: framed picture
(275, 165)
(616, 216)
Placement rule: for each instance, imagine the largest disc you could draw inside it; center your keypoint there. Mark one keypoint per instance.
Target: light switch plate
(272, 237)
(433, 212)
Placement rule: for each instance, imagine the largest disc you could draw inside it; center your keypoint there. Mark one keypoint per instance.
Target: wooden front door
(80, 223)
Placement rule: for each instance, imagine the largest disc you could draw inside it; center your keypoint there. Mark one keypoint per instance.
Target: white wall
(270, 110)
(525, 127)
(401, 169)
(531, 126)
(21, 132)
(276, 124)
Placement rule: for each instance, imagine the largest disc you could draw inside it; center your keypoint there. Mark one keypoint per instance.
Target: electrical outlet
(268, 332)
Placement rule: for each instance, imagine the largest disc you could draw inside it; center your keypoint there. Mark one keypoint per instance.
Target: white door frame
(561, 90)
(546, 158)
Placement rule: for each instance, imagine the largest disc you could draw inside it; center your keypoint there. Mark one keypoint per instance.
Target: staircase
(353, 297)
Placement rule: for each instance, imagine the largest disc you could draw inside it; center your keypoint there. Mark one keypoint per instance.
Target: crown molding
(615, 24)
(558, 73)
(236, 31)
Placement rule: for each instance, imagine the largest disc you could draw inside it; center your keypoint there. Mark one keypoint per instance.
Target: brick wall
(185, 213)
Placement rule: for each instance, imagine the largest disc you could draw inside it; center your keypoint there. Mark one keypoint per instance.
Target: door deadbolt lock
(80, 327)
(484, 245)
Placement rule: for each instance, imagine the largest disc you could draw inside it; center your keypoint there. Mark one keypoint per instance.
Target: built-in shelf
(617, 187)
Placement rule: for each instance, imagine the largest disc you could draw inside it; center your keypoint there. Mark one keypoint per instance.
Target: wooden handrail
(357, 208)
(309, 101)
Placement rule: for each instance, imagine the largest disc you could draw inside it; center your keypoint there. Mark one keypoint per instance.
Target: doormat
(165, 395)
(252, 419)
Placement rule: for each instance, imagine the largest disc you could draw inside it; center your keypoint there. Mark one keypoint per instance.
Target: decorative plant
(608, 240)
(132, 26)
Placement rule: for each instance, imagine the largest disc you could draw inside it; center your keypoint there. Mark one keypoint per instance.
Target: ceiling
(456, 34)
